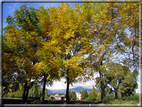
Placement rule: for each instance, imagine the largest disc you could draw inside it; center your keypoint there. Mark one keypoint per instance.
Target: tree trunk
(26, 97)
(6, 91)
(26, 88)
(102, 88)
(116, 96)
(43, 92)
(24, 92)
(67, 91)
(122, 95)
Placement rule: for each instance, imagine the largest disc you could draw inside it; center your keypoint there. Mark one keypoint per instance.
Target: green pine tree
(93, 94)
(84, 94)
(73, 95)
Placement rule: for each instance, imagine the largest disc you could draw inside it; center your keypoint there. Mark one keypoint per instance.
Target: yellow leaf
(101, 46)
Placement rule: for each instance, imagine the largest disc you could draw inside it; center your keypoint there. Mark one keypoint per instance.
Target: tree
(80, 91)
(35, 90)
(107, 35)
(107, 89)
(98, 95)
(71, 46)
(25, 27)
(65, 38)
(51, 43)
(73, 95)
(32, 38)
(131, 22)
(46, 93)
(50, 94)
(70, 95)
(93, 94)
(49, 54)
(115, 76)
(84, 94)
(61, 93)
(101, 41)
(12, 75)
(127, 88)
(17, 93)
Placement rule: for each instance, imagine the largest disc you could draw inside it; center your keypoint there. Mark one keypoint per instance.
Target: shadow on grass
(20, 101)
(11, 101)
(37, 101)
(84, 102)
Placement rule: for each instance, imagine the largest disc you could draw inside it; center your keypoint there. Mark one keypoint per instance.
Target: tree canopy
(47, 44)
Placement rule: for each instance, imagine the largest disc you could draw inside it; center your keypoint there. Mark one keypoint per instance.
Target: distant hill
(77, 89)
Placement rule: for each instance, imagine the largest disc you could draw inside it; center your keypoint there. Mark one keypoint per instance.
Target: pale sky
(9, 8)
(61, 85)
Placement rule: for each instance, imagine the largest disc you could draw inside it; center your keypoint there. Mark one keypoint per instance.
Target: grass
(6, 100)
(84, 102)
(123, 102)
(11, 98)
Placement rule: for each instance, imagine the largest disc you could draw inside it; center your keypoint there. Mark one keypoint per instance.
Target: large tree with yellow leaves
(65, 36)
(51, 43)
(21, 40)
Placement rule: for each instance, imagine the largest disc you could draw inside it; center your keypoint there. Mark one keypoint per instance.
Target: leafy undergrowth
(123, 102)
(37, 101)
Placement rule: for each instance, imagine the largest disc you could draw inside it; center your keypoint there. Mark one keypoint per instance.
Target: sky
(9, 8)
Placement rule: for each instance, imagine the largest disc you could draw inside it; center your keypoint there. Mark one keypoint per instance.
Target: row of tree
(119, 79)
(34, 92)
(72, 95)
(47, 44)
(94, 95)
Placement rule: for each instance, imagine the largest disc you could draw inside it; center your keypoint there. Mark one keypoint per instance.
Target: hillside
(77, 89)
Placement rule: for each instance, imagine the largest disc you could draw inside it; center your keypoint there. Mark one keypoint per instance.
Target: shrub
(119, 96)
(48, 98)
(98, 95)
(110, 97)
(88, 99)
(136, 97)
(131, 97)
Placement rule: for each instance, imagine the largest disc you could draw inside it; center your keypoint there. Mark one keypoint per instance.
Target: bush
(136, 97)
(119, 96)
(131, 97)
(98, 95)
(88, 99)
(110, 97)
(48, 98)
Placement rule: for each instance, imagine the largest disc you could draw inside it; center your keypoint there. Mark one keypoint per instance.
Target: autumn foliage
(51, 43)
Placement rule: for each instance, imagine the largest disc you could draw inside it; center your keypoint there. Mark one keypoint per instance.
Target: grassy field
(37, 101)
(123, 102)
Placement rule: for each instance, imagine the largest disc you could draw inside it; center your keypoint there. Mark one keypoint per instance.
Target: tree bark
(27, 92)
(116, 96)
(43, 92)
(28, 87)
(67, 91)
(102, 87)
(24, 92)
